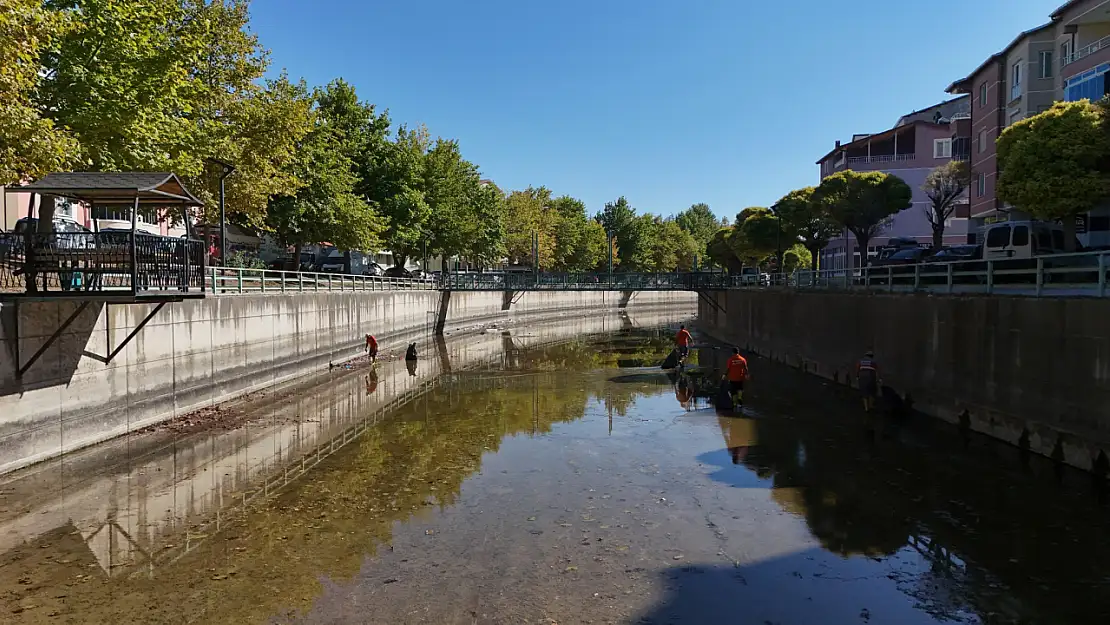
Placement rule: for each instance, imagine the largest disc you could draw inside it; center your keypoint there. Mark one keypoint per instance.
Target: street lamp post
(228, 169)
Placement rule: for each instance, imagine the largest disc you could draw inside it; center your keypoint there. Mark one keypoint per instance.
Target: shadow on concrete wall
(44, 343)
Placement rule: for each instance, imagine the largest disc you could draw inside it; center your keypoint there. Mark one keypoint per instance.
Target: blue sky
(668, 103)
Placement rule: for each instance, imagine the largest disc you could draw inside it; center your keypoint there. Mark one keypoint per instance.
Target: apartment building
(918, 143)
(1066, 58)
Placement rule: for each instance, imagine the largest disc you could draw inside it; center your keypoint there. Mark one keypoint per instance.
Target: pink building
(16, 205)
(916, 145)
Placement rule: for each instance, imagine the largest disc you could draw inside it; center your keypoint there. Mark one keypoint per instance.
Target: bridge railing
(238, 281)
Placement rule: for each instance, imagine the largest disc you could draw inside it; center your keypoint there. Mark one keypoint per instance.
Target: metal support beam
(53, 337)
(127, 340)
(712, 301)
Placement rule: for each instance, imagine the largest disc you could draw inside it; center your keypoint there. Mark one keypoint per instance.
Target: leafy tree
(163, 85)
(721, 251)
(263, 134)
(675, 248)
(944, 186)
(395, 180)
(327, 208)
(579, 242)
(619, 220)
(449, 180)
(797, 256)
(529, 213)
(762, 235)
(701, 223)
(862, 202)
(1056, 165)
(486, 239)
(30, 145)
(807, 220)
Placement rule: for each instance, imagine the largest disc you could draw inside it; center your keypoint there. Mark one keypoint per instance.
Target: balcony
(1015, 92)
(1086, 51)
(881, 158)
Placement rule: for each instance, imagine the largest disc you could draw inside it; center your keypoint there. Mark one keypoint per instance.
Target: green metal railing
(1062, 275)
(236, 281)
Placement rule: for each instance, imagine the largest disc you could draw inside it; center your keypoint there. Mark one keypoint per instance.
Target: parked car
(752, 276)
(398, 272)
(374, 269)
(62, 226)
(905, 256)
(955, 253)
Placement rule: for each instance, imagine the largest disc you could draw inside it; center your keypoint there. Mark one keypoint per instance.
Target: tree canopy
(807, 220)
(700, 222)
(862, 202)
(1056, 165)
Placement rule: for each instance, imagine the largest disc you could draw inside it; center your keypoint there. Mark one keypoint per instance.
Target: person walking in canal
(683, 339)
(867, 373)
(736, 372)
(372, 347)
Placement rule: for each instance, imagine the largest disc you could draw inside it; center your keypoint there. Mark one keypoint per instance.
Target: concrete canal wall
(1033, 372)
(195, 353)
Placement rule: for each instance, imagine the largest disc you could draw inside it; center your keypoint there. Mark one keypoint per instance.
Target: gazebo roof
(158, 188)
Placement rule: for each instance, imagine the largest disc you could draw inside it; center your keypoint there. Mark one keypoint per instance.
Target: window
(983, 94)
(982, 141)
(1046, 64)
(1021, 236)
(942, 148)
(1090, 85)
(998, 237)
(1015, 81)
(1065, 53)
(981, 185)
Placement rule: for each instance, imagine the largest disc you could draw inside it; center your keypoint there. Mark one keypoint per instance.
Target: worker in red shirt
(683, 339)
(736, 371)
(372, 347)
(867, 373)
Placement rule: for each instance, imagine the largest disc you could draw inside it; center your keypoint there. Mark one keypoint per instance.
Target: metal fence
(237, 281)
(98, 262)
(1060, 275)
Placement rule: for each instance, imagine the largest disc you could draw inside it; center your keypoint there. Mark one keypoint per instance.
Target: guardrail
(238, 281)
(1060, 275)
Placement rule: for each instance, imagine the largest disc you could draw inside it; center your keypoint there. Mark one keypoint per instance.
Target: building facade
(918, 143)
(1065, 59)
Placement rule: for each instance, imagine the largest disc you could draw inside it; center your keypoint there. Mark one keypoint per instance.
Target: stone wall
(1031, 371)
(198, 352)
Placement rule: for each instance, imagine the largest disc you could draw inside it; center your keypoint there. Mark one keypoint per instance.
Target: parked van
(1022, 240)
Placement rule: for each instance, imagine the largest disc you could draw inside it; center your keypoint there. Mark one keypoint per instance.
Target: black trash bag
(723, 399)
(672, 360)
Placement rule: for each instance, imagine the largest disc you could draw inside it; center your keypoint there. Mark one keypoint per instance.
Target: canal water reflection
(551, 474)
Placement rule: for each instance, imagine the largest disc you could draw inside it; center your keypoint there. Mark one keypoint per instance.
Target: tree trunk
(400, 260)
(938, 234)
(47, 204)
(861, 243)
(813, 252)
(1069, 233)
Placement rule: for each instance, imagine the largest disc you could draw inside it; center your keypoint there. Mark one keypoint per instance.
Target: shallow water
(515, 478)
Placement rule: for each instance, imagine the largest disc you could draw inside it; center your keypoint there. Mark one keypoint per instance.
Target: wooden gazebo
(112, 264)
